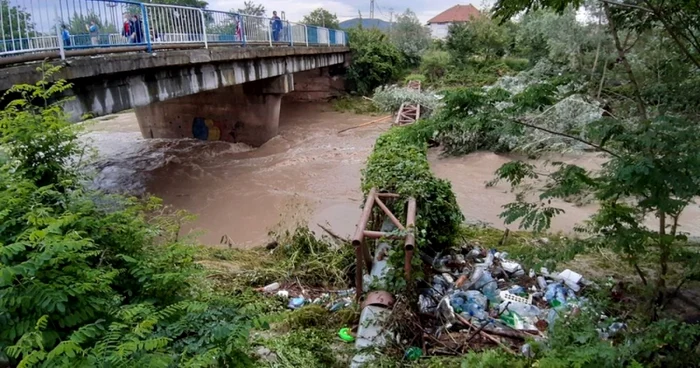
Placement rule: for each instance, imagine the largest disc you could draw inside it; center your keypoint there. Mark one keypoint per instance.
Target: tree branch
(623, 5)
(657, 13)
(598, 147)
(621, 52)
(640, 273)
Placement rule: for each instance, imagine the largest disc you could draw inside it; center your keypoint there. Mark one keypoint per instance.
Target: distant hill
(382, 25)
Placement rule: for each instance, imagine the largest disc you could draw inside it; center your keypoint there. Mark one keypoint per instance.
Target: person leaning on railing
(136, 27)
(276, 24)
(94, 31)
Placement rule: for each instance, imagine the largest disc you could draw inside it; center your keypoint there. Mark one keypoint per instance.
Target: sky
(347, 9)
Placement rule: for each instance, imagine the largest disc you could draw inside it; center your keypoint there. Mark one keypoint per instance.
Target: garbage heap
(478, 297)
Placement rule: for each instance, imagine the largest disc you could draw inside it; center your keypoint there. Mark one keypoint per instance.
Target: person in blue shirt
(94, 32)
(65, 35)
(276, 24)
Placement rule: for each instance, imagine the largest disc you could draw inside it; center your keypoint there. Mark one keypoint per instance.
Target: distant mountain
(382, 25)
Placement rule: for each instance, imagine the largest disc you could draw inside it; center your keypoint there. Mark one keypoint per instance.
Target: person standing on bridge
(136, 29)
(65, 35)
(94, 32)
(276, 24)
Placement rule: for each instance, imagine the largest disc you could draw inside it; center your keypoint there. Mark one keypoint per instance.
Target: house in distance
(440, 23)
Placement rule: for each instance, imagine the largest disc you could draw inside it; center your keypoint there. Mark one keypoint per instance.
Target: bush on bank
(93, 280)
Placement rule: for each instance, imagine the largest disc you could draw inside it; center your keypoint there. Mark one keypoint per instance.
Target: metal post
(269, 32)
(243, 33)
(306, 34)
(290, 32)
(204, 29)
(328, 35)
(61, 50)
(149, 47)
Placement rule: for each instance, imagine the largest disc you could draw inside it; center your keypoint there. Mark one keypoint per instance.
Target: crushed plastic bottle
(296, 303)
(522, 309)
(474, 296)
(272, 287)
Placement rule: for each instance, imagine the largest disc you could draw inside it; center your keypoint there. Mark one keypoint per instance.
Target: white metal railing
(30, 26)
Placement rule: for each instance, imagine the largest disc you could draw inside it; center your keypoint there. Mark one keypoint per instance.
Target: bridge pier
(246, 113)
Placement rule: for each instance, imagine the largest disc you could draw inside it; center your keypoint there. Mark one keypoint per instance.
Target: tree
(375, 60)
(480, 36)
(251, 8)
(410, 37)
(322, 18)
(653, 168)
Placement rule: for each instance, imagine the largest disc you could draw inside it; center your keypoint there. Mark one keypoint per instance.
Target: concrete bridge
(190, 72)
(220, 93)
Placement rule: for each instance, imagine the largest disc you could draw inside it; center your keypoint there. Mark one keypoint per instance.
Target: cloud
(295, 11)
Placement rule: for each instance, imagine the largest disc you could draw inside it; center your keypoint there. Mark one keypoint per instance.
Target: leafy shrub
(399, 164)
(435, 64)
(375, 61)
(516, 64)
(87, 279)
(390, 98)
(413, 76)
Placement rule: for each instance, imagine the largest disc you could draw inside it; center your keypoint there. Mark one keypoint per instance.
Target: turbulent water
(310, 173)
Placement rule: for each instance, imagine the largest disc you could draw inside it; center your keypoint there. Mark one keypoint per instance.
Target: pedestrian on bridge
(65, 35)
(276, 24)
(94, 32)
(136, 28)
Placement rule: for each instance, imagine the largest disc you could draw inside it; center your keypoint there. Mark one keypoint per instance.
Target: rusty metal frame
(362, 255)
(409, 113)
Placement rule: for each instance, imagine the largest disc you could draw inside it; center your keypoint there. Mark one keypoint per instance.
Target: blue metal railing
(33, 26)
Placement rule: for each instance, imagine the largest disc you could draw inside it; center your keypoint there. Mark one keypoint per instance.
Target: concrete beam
(121, 91)
(104, 65)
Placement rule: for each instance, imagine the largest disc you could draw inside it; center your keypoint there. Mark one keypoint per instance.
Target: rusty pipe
(411, 225)
(381, 234)
(390, 215)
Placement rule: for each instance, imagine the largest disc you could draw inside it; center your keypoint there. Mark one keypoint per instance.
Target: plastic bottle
(272, 287)
(474, 296)
(524, 310)
(541, 282)
(489, 259)
(475, 311)
(489, 287)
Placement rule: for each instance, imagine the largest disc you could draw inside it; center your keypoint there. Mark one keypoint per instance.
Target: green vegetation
(375, 60)
(322, 18)
(89, 279)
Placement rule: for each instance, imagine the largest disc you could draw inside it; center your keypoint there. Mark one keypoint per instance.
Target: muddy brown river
(309, 174)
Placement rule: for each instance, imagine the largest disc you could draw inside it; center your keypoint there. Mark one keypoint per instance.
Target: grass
(355, 104)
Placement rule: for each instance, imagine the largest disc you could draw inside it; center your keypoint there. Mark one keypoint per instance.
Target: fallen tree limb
(364, 124)
(332, 234)
(484, 334)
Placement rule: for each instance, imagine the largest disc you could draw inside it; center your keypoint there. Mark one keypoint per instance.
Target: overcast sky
(346, 9)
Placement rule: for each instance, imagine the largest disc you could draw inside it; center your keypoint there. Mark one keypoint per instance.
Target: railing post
(269, 32)
(147, 29)
(61, 49)
(243, 33)
(306, 34)
(328, 36)
(204, 29)
(290, 32)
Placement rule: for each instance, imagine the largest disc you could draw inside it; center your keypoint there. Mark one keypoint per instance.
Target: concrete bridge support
(247, 113)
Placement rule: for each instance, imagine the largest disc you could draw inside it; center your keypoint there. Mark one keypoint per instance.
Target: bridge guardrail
(50, 28)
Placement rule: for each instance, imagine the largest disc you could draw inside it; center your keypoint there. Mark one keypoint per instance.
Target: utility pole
(371, 9)
(391, 19)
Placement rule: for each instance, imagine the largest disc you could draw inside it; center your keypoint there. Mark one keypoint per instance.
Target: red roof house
(456, 14)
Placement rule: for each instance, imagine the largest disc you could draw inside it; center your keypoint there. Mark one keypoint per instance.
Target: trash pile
(489, 294)
(298, 296)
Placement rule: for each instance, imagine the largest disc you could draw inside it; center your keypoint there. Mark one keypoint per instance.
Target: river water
(309, 174)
